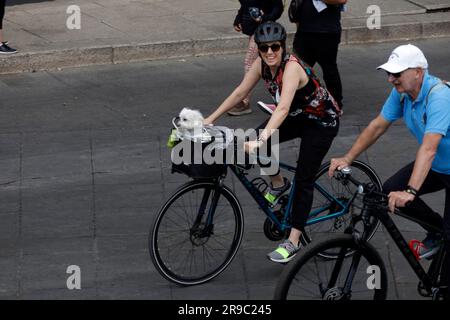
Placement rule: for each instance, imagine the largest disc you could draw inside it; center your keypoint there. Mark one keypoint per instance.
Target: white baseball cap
(405, 57)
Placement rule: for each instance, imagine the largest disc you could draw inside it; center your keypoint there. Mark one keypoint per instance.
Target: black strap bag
(192, 146)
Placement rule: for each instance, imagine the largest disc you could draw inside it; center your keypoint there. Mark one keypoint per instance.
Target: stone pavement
(84, 169)
(120, 31)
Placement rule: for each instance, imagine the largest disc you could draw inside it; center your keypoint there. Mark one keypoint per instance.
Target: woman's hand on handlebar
(338, 164)
(207, 122)
(251, 146)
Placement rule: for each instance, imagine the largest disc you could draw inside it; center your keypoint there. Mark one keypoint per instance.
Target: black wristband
(411, 190)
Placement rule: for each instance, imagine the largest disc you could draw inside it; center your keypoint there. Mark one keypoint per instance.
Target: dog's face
(190, 119)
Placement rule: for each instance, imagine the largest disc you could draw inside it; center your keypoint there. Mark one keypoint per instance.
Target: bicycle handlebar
(371, 196)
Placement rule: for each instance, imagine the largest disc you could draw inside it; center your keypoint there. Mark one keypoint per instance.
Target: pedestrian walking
(317, 38)
(4, 47)
(250, 15)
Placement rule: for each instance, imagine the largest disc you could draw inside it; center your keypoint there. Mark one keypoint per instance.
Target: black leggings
(315, 143)
(2, 12)
(419, 209)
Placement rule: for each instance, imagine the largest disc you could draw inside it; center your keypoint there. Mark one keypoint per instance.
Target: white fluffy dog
(190, 119)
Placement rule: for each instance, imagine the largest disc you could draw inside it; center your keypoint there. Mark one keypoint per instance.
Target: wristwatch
(411, 190)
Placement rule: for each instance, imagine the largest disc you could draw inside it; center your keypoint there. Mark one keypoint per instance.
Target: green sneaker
(284, 253)
(273, 194)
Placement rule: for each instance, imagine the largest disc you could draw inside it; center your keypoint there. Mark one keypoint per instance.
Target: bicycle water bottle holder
(260, 184)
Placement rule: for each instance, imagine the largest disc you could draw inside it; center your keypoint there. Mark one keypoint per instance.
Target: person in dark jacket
(317, 40)
(250, 15)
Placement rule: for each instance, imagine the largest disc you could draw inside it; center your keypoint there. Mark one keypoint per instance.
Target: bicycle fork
(334, 293)
(204, 230)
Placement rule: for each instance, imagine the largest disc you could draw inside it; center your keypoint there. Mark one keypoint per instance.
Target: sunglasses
(395, 75)
(274, 47)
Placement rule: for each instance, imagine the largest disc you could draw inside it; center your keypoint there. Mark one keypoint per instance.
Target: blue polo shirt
(437, 117)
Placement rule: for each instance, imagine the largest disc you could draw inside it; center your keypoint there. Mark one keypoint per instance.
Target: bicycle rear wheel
(184, 247)
(325, 204)
(310, 276)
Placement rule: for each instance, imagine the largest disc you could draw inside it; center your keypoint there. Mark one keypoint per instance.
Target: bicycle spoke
(310, 276)
(342, 191)
(190, 250)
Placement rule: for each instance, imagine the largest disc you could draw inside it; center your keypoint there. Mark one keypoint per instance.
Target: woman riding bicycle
(305, 109)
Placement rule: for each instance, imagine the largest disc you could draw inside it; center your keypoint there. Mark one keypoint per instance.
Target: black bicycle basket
(201, 154)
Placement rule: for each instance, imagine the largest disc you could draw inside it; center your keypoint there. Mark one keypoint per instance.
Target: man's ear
(419, 73)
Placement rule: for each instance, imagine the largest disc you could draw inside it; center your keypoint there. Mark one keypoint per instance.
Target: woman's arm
(251, 78)
(294, 78)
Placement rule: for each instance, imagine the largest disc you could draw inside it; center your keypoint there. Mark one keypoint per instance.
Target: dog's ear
(184, 110)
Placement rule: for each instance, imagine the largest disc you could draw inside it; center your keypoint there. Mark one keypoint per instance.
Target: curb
(116, 54)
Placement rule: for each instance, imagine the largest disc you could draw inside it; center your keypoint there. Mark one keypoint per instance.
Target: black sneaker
(5, 49)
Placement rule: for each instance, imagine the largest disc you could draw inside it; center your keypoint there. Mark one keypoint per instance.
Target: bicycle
(199, 229)
(310, 276)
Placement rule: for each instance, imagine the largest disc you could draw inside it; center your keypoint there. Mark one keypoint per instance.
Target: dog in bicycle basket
(198, 151)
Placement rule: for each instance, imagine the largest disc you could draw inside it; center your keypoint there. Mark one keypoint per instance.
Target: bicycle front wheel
(193, 238)
(331, 198)
(310, 276)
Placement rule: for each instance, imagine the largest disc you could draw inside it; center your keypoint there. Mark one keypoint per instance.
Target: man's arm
(374, 130)
(424, 158)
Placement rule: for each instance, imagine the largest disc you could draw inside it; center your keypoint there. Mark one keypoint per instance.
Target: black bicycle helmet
(269, 32)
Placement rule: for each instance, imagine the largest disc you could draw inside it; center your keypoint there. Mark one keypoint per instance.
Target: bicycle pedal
(422, 291)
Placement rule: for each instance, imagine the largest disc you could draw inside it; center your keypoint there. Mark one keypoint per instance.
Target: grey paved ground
(118, 31)
(85, 168)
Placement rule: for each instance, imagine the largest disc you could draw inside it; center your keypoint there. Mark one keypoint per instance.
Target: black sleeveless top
(312, 101)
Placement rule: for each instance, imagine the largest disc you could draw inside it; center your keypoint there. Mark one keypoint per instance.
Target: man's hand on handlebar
(399, 199)
(338, 164)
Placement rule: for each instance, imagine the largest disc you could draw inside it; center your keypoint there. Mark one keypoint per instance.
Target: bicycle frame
(428, 280)
(283, 223)
(380, 211)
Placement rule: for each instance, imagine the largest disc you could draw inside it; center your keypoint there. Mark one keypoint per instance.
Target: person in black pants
(317, 40)
(4, 48)
(304, 109)
(422, 101)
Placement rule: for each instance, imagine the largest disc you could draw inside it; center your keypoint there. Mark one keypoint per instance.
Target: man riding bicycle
(423, 101)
